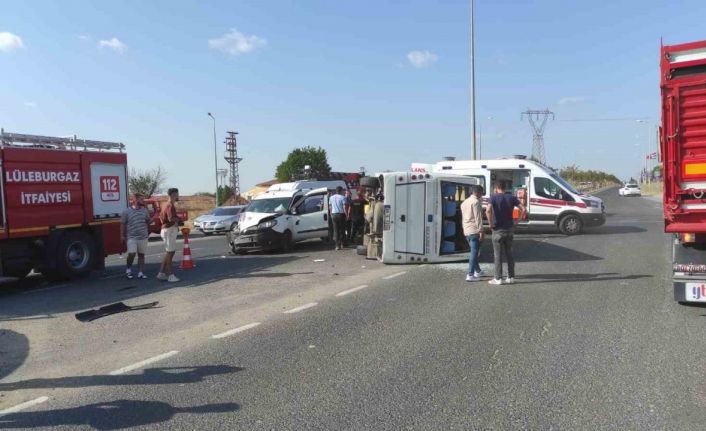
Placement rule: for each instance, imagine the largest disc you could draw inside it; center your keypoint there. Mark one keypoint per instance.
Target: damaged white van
(283, 215)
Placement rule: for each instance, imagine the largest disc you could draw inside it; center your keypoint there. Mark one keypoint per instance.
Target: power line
(605, 119)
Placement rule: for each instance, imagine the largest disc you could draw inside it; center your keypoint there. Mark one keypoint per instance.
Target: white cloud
(84, 37)
(115, 44)
(30, 105)
(236, 43)
(421, 59)
(573, 100)
(10, 42)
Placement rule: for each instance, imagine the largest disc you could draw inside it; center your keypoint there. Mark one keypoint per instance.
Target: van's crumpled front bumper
(262, 240)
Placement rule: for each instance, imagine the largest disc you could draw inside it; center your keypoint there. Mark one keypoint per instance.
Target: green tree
(292, 168)
(146, 182)
(224, 193)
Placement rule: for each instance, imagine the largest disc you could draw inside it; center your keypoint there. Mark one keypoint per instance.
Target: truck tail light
(694, 169)
(687, 237)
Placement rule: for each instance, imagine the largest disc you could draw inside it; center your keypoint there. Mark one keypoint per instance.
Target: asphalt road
(588, 338)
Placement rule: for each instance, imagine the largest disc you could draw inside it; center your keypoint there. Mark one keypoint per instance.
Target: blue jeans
(474, 242)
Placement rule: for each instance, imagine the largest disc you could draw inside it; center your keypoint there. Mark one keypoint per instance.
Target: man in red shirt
(170, 229)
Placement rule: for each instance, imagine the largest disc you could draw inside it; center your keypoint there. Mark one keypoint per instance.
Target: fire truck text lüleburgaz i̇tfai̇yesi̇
(61, 201)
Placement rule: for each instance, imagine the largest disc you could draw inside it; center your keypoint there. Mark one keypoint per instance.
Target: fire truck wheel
(571, 224)
(370, 182)
(75, 254)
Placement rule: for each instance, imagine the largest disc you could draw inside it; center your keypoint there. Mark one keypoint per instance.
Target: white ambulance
(550, 200)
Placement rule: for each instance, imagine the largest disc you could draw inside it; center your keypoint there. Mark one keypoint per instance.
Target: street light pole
(473, 84)
(648, 165)
(215, 155)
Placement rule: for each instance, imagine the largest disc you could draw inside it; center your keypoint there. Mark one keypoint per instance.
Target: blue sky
(339, 75)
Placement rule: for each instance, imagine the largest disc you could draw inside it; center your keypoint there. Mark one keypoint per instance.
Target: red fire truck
(683, 148)
(60, 204)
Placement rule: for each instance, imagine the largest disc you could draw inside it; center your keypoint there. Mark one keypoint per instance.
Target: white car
(631, 189)
(200, 219)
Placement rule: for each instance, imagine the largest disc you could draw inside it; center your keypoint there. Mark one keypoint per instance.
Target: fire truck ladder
(56, 143)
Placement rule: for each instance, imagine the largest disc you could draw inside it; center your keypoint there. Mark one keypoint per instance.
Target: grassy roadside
(651, 189)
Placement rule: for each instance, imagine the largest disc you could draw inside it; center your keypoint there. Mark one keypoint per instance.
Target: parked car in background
(630, 189)
(223, 219)
(201, 218)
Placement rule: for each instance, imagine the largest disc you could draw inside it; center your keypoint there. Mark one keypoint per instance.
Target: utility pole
(473, 84)
(538, 121)
(215, 154)
(233, 160)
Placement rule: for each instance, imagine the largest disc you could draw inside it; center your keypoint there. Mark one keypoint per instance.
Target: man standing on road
(347, 209)
(134, 230)
(170, 229)
(357, 216)
(472, 218)
(499, 213)
(337, 204)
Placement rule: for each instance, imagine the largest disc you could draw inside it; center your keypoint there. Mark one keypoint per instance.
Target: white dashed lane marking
(355, 289)
(394, 275)
(301, 308)
(235, 331)
(143, 363)
(23, 406)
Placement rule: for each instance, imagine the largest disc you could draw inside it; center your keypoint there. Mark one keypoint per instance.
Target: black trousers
(339, 228)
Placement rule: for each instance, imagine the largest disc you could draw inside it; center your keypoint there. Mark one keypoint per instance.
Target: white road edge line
(355, 289)
(394, 275)
(26, 405)
(235, 331)
(303, 307)
(143, 363)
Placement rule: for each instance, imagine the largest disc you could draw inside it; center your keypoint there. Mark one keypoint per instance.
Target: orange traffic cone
(186, 262)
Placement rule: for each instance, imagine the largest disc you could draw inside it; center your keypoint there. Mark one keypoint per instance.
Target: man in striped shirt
(134, 230)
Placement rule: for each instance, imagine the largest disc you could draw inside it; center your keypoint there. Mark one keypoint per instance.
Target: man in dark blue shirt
(499, 213)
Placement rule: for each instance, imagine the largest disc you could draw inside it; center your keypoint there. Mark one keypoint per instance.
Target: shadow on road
(532, 250)
(112, 415)
(565, 278)
(615, 230)
(150, 376)
(90, 293)
(14, 349)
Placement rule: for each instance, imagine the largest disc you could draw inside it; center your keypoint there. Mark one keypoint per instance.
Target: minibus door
(410, 204)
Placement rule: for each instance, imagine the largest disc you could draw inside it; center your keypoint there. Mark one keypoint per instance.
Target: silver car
(198, 220)
(223, 219)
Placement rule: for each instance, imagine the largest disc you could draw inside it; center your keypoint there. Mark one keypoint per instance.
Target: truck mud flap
(118, 307)
(679, 292)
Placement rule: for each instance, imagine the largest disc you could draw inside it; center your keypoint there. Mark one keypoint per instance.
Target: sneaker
(142, 275)
(510, 280)
(128, 274)
(495, 281)
(479, 274)
(162, 276)
(172, 279)
(470, 277)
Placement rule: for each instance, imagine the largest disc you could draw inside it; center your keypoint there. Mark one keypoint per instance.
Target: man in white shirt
(472, 218)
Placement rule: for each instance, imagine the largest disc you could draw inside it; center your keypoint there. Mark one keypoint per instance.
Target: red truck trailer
(60, 204)
(683, 152)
